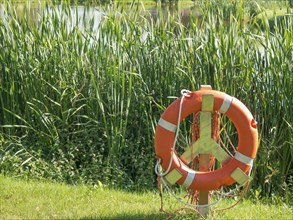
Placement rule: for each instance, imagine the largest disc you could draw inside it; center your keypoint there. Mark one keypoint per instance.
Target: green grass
(80, 104)
(21, 199)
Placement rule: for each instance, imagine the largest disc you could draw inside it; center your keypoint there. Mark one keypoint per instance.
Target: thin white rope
(188, 204)
(238, 186)
(184, 93)
(228, 194)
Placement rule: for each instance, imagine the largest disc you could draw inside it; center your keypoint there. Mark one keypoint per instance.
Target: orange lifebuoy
(246, 128)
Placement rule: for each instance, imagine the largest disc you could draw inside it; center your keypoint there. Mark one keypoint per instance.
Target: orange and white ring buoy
(245, 125)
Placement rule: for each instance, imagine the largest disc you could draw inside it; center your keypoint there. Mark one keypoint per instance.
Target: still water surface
(81, 13)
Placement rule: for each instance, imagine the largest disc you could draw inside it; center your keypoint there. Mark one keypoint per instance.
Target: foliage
(80, 99)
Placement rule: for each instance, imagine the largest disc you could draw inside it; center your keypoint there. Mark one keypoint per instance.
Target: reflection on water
(81, 15)
(31, 11)
(185, 13)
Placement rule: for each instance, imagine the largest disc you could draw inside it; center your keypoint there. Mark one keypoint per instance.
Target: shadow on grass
(129, 217)
(156, 216)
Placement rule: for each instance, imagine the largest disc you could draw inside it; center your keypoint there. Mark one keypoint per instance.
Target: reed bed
(79, 104)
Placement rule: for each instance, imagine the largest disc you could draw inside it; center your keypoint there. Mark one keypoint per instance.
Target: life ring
(242, 161)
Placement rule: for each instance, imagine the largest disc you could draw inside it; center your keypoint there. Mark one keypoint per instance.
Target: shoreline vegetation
(270, 9)
(81, 96)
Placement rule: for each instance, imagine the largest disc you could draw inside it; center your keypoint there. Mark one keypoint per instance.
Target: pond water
(35, 11)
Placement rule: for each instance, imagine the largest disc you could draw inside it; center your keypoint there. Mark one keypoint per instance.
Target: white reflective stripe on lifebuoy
(189, 179)
(226, 104)
(243, 158)
(167, 125)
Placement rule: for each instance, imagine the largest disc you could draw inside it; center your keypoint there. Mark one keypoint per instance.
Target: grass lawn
(38, 200)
